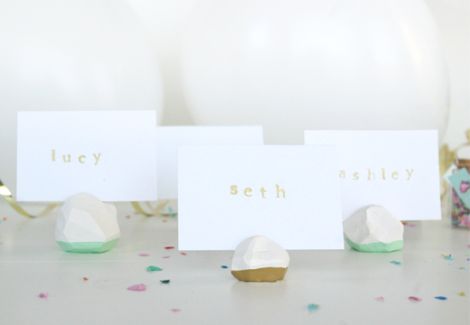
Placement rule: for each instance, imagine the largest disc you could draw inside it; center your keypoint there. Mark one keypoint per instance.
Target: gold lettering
(280, 190)
(371, 175)
(263, 192)
(248, 191)
(81, 159)
(355, 176)
(342, 174)
(53, 155)
(234, 190)
(409, 173)
(97, 158)
(67, 158)
(395, 175)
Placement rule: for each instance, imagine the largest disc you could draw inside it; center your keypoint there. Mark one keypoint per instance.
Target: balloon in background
(71, 55)
(292, 65)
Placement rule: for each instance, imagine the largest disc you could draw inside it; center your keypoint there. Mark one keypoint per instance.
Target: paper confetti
(414, 299)
(137, 287)
(153, 268)
(183, 253)
(395, 262)
(165, 281)
(224, 266)
(440, 298)
(144, 254)
(85, 279)
(379, 299)
(169, 247)
(43, 295)
(448, 257)
(461, 293)
(312, 308)
(175, 310)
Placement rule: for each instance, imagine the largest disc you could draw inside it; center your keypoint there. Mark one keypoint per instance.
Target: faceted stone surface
(259, 259)
(87, 225)
(373, 229)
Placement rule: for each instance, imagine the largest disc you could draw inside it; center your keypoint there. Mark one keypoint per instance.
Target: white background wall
(165, 21)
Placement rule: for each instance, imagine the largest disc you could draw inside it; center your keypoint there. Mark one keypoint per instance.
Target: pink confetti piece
(380, 299)
(184, 253)
(169, 247)
(137, 287)
(464, 187)
(414, 299)
(43, 295)
(144, 254)
(175, 310)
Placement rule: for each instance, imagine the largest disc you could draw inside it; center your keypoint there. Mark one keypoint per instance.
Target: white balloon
(71, 55)
(292, 65)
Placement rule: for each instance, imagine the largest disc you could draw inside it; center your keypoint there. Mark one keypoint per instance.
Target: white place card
(287, 193)
(110, 154)
(170, 138)
(396, 169)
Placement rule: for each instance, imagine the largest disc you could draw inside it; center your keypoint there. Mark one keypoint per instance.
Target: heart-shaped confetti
(464, 187)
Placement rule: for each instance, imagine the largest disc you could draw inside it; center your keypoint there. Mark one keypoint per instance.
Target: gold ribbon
(8, 197)
(158, 210)
(6, 194)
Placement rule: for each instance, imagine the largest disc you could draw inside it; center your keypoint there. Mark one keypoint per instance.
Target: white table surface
(343, 283)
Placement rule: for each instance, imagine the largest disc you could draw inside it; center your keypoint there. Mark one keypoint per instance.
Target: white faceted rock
(374, 229)
(259, 259)
(87, 225)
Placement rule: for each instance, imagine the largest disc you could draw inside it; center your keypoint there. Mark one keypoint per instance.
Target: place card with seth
(110, 154)
(287, 193)
(396, 169)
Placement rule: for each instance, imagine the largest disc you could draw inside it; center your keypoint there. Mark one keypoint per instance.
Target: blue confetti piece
(224, 266)
(312, 308)
(440, 298)
(395, 262)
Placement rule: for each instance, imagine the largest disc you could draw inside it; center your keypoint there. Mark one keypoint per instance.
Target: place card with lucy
(110, 154)
(287, 193)
(398, 170)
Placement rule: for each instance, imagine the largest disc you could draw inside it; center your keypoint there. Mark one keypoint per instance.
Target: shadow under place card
(170, 138)
(110, 154)
(287, 193)
(398, 170)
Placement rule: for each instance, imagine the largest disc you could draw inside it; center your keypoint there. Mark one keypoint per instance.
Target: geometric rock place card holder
(87, 225)
(373, 229)
(259, 259)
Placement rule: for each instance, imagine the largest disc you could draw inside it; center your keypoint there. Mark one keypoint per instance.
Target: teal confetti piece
(312, 308)
(448, 257)
(224, 266)
(153, 268)
(165, 281)
(395, 262)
